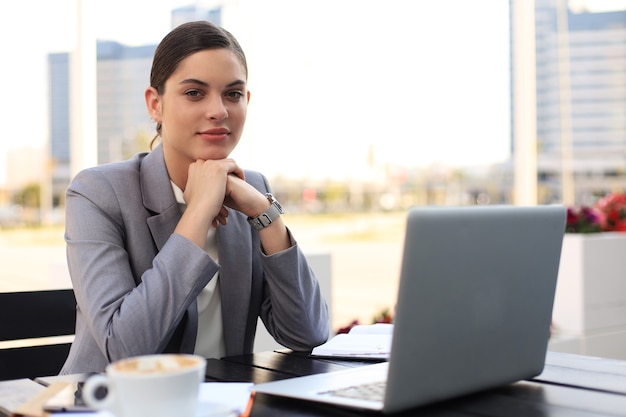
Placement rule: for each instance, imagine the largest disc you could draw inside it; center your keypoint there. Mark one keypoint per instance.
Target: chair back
(35, 315)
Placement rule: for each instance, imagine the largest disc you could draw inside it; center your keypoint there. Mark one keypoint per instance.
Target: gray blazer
(136, 282)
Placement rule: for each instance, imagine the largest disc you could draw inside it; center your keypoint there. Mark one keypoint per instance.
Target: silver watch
(269, 216)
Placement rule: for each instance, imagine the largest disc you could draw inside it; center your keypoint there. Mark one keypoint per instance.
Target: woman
(179, 249)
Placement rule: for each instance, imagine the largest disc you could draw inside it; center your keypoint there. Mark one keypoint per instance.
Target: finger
(220, 219)
(237, 171)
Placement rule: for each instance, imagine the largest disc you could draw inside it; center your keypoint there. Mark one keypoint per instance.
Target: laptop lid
(475, 300)
(473, 310)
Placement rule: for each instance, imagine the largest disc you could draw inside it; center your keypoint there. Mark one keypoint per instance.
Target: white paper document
(218, 398)
(362, 342)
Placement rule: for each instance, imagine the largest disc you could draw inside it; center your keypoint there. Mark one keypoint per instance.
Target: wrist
(262, 207)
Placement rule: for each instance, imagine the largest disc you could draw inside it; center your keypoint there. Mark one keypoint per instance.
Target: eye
(194, 94)
(234, 95)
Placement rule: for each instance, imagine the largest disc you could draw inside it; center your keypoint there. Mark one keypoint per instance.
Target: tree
(29, 196)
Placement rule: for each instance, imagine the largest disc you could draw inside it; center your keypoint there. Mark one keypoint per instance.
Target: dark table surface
(570, 385)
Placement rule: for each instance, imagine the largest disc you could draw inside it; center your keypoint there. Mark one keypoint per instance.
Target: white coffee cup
(148, 386)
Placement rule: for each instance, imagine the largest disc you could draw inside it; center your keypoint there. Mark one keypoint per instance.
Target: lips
(215, 134)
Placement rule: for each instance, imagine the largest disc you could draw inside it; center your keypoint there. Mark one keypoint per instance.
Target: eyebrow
(204, 84)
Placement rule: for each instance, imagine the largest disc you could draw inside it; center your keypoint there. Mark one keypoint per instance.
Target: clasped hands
(214, 185)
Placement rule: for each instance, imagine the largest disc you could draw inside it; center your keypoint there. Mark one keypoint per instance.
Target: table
(571, 385)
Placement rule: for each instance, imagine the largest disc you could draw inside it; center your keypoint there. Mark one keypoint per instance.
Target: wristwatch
(269, 216)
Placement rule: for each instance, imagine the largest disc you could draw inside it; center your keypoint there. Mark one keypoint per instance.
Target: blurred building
(193, 12)
(580, 81)
(124, 126)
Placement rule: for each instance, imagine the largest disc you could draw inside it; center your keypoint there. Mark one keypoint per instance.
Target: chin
(213, 156)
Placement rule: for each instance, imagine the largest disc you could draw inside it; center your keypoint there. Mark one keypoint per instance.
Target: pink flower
(583, 220)
(613, 211)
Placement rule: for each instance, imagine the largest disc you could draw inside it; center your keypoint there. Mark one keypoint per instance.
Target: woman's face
(203, 108)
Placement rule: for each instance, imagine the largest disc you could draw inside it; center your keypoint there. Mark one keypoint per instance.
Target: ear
(248, 96)
(153, 104)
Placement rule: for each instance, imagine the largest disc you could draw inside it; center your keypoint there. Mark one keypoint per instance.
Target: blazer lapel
(158, 198)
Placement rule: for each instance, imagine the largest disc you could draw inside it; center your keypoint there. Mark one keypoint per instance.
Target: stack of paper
(362, 342)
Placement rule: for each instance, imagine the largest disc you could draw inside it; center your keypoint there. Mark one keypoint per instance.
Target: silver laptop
(473, 310)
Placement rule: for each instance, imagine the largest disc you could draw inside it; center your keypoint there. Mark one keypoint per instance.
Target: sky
(419, 82)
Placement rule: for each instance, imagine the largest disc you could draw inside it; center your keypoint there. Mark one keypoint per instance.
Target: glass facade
(59, 105)
(193, 13)
(123, 122)
(581, 100)
(124, 127)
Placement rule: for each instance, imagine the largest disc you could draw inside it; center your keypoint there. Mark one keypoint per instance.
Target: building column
(524, 87)
(83, 89)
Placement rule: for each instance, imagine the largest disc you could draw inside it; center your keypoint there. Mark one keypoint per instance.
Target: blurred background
(359, 109)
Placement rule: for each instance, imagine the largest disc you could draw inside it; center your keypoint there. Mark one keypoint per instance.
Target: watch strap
(269, 216)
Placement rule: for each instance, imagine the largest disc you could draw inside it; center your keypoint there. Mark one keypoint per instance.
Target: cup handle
(93, 390)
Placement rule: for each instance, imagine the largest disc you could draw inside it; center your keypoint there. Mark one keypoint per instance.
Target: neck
(177, 169)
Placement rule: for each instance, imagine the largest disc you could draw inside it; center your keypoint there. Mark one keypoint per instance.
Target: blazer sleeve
(127, 314)
(293, 310)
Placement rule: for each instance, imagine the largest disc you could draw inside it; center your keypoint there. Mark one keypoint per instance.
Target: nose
(216, 110)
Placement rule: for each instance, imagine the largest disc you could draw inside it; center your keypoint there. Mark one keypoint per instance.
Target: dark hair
(183, 41)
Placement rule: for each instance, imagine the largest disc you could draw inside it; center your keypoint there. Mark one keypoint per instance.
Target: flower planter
(591, 287)
(590, 305)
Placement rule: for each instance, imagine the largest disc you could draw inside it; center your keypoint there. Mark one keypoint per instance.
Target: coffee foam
(155, 364)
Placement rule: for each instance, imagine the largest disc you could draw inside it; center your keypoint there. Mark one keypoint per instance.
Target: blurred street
(365, 255)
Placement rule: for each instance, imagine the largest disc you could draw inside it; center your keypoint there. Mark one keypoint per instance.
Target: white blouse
(210, 335)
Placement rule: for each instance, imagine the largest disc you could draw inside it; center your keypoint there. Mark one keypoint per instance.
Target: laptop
(473, 310)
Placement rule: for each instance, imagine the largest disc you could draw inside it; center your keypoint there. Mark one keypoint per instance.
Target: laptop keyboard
(374, 391)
